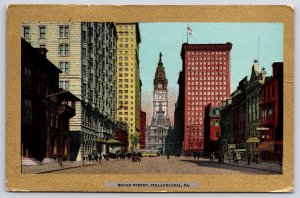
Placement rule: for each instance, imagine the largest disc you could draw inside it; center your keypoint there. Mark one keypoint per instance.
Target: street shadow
(225, 166)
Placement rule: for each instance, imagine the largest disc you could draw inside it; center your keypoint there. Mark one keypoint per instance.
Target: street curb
(64, 169)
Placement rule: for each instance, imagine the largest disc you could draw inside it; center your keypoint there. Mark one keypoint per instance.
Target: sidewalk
(262, 165)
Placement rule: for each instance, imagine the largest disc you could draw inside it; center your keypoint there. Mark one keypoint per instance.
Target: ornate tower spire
(160, 80)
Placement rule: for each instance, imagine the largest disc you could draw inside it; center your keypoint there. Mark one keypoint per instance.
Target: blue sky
(168, 38)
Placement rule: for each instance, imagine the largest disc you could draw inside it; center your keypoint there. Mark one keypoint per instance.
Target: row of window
(196, 88)
(126, 33)
(203, 99)
(125, 40)
(206, 94)
(125, 86)
(207, 63)
(206, 82)
(194, 134)
(196, 122)
(207, 78)
(125, 64)
(206, 58)
(207, 53)
(125, 45)
(206, 73)
(125, 58)
(63, 32)
(126, 80)
(195, 118)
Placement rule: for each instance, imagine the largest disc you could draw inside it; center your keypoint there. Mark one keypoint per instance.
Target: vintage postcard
(150, 98)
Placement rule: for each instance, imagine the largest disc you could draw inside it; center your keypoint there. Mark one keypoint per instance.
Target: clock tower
(160, 92)
(158, 134)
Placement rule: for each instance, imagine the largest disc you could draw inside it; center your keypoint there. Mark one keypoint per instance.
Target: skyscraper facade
(206, 79)
(128, 84)
(85, 53)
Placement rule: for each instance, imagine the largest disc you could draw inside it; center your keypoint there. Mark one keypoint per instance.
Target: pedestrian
(198, 155)
(168, 156)
(234, 157)
(249, 158)
(59, 158)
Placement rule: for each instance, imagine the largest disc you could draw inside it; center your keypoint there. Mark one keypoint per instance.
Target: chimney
(255, 67)
(263, 75)
(42, 51)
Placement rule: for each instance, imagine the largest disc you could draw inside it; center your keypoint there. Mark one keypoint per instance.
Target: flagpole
(187, 35)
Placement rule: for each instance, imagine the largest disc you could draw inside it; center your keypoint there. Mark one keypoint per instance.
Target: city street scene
(152, 98)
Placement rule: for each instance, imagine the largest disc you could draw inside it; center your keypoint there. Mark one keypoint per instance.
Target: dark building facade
(226, 137)
(206, 79)
(271, 119)
(179, 117)
(239, 118)
(142, 129)
(212, 130)
(46, 109)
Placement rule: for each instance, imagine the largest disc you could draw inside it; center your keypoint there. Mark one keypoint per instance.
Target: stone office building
(85, 52)
(254, 99)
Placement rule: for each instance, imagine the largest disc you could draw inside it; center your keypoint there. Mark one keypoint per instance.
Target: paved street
(161, 164)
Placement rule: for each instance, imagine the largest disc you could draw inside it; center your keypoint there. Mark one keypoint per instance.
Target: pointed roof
(160, 75)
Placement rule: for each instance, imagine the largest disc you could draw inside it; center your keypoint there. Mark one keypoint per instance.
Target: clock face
(159, 85)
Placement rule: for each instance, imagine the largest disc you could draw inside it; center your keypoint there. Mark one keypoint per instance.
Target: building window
(42, 31)
(64, 85)
(216, 134)
(27, 108)
(64, 67)
(26, 32)
(63, 49)
(64, 31)
(216, 122)
(83, 35)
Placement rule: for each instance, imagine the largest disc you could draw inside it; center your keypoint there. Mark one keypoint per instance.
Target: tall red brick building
(206, 79)
(142, 129)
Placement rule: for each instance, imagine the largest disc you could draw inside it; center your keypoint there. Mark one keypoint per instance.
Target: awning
(114, 142)
(266, 146)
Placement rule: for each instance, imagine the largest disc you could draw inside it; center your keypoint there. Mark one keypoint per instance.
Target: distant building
(142, 129)
(128, 86)
(212, 130)
(254, 99)
(271, 120)
(226, 124)
(46, 109)
(160, 122)
(85, 52)
(205, 79)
